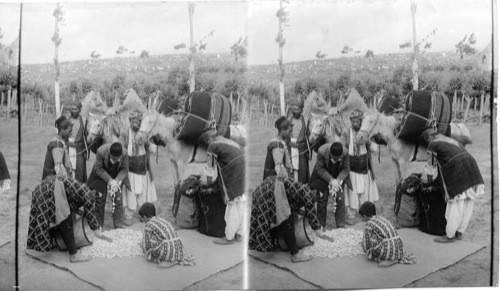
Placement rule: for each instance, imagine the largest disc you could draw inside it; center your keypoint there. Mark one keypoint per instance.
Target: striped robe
(381, 240)
(160, 242)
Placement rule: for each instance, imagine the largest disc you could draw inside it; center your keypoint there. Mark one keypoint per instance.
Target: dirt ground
(474, 270)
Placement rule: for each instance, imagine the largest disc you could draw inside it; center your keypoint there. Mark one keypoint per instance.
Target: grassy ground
(471, 271)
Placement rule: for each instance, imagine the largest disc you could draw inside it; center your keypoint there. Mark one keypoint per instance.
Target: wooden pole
(468, 99)
(454, 105)
(57, 41)
(415, 46)
(191, 48)
(280, 61)
(480, 120)
(9, 96)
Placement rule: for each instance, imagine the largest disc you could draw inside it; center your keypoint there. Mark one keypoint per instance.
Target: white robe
(142, 187)
(364, 187)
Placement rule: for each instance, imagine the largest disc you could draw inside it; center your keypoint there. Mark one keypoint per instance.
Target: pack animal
(401, 151)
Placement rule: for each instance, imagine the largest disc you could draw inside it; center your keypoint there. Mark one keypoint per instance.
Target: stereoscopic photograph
(263, 145)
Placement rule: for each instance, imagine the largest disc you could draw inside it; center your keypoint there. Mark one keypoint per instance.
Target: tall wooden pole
(281, 43)
(191, 48)
(57, 41)
(415, 46)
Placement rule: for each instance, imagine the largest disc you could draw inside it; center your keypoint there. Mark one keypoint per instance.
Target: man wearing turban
(361, 175)
(299, 142)
(278, 161)
(142, 187)
(77, 146)
(57, 158)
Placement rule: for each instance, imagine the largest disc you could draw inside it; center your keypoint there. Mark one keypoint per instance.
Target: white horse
(330, 127)
(109, 128)
(106, 123)
(180, 153)
(401, 151)
(323, 120)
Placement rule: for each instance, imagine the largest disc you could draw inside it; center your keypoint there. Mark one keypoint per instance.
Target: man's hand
(98, 233)
(321, 234)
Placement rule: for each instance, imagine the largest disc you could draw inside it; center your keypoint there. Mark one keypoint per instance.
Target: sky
(103, 27)
(314, 25)
(379, 25)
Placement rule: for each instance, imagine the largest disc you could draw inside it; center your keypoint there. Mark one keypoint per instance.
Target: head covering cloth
(76, 104)
(282, 122)
(62, 122)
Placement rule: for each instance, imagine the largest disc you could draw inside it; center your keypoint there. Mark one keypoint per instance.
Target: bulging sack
(211, 209)
(202, 109)
(422, 107)
(433, 209)
(184, 209)
(406, 207)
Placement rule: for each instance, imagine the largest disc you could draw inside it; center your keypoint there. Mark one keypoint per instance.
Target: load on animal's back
(426, 109)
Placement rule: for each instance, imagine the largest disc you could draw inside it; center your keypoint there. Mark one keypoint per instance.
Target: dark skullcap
(336, 150)
(356, 114)
(368, 209)
(115, 150)
(76, 103)
(136, 114)
(148, 210)
(298, 103)
(62, 122)
(282, 122)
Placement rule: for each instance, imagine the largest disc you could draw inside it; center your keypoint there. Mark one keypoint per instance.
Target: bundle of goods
(125, 243)
(184, 209)
(203, 110)
(347, 243)
(406, 207)
(422, 108)
(211, 210)
(421, 204)
(433, 208)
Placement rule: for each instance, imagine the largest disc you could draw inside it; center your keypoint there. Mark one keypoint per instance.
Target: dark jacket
(325, 169)
(456, 166)
(102, 167)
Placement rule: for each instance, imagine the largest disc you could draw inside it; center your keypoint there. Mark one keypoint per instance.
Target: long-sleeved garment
(324, 171)
(160, 243)
(263, 214)
(382, 242)
(56, 159)
(77, 147)
(278, 155)
(43, 209)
